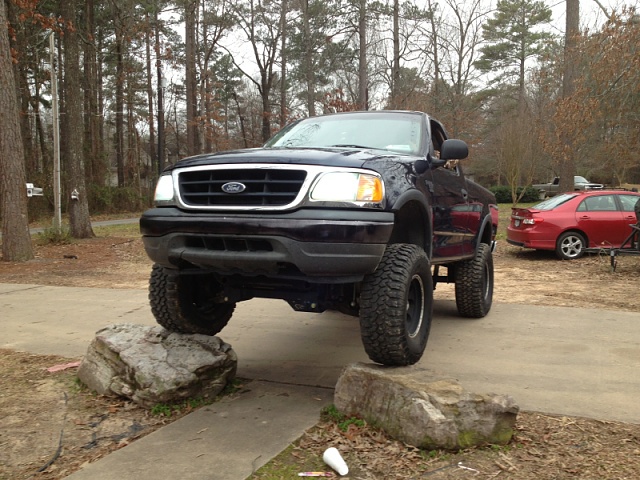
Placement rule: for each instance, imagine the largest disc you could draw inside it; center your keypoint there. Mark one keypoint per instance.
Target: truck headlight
(164, 191)
(348, 187)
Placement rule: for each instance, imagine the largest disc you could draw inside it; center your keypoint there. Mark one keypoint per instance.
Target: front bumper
(327, 245)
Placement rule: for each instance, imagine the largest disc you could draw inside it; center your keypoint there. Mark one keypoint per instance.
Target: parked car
(579, 184)
(570, 223)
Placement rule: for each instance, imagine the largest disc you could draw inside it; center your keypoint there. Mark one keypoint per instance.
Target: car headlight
(348, 187)
(164, 191)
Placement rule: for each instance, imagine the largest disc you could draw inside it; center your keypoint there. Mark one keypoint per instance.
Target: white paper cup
(333, 458)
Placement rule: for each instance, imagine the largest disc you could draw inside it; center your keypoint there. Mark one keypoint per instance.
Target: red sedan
(572, 222)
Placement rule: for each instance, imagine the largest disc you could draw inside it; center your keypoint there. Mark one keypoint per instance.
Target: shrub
(52, 236)
(503, 194)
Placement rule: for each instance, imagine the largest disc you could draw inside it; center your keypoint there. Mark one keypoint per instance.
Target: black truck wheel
(474, 284)
(396, 306)
(187, 303)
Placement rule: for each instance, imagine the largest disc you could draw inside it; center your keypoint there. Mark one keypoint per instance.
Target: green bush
(503, 194)
(50, 236)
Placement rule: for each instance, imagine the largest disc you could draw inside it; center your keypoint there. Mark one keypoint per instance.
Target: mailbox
(33, 191)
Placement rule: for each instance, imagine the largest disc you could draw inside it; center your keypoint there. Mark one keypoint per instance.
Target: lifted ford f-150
(360, 212)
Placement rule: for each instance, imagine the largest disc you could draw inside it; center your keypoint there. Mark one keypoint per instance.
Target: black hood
(336, 157)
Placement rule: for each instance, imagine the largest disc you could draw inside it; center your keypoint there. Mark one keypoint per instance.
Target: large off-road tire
(570, 245)
(396, 306)
(474, 284)
(187, 303)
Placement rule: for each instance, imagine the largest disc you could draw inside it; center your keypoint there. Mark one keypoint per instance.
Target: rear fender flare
(485, 232)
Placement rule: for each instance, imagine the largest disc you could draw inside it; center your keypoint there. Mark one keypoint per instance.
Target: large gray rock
(150, 365)
(419, 408)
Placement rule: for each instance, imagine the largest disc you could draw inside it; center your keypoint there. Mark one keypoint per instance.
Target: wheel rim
(486, 284)
(571, 246)
(415, 306)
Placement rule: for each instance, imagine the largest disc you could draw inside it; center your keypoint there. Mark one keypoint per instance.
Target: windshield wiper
(349, 146)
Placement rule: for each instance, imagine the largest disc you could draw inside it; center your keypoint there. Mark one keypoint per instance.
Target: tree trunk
(568, 164)
(435, 49)
(308, 60)
(45, 156)
(79, 220)
(395, 78)
(161, 133)
(23, 92)
(283, 66)
(16, 241)
(193, 141)
(150, 116)
(99, 119)
(362, 67)
(241, 119)
(119, 141)
(266, 109)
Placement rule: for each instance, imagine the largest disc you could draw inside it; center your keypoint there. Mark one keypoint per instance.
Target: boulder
(420, 408)
(151, 365)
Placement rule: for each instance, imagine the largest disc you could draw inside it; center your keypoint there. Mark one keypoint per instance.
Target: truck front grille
(259, 187)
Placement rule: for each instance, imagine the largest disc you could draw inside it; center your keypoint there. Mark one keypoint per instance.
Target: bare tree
(16, 241)
(516, 152)
(216, 20)
(261, 25)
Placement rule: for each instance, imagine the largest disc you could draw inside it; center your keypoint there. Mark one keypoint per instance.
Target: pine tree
(513, 37)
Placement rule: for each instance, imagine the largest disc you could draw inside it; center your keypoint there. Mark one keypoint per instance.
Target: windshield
(578, 179)
(401, 133)
(553, 202)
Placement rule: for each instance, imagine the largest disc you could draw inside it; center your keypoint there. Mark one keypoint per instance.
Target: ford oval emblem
(234, 187)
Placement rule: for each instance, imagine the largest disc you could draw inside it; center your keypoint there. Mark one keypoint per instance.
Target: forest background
(122, 88)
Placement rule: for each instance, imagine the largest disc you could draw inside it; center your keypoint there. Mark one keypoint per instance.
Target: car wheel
(474, 284)
(396, 306)
(187, 303)
(570, 245)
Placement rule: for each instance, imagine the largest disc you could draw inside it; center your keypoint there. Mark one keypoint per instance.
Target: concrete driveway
(557, 360)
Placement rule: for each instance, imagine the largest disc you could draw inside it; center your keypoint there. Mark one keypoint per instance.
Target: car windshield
(578, 179)
(395, 132)
(553, 202)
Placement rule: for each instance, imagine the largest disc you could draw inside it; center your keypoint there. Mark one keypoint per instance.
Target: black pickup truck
(360, 212)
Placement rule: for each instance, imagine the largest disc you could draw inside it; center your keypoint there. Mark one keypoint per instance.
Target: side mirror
(421, 165)
(454, 149)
